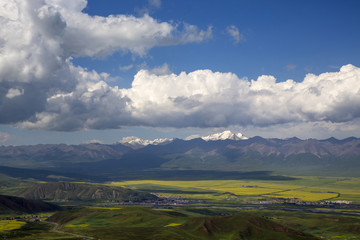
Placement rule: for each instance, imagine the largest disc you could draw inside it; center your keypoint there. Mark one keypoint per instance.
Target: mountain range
(136, 142)
(225, 152)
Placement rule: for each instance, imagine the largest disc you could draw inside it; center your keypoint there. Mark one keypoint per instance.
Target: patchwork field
(303, 189)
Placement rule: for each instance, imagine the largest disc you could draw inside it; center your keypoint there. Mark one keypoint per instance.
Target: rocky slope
(64, 191)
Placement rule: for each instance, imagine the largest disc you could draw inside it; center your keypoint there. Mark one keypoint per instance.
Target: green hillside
(142, 223)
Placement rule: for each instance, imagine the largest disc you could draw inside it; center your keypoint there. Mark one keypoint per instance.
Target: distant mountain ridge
(45, 155)
(224, 151)
(136, 142)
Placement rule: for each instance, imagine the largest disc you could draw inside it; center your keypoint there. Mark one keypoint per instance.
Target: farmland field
(303, 188)
(7, 225)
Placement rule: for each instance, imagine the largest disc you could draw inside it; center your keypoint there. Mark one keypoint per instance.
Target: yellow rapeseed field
(7, 225)
(76, 225)
(303, 195)
(305, 188)
(173, 225)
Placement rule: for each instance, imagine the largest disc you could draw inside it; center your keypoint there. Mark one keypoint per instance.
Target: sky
(97, 71)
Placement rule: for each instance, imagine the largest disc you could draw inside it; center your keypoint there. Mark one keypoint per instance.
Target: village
(28, 218)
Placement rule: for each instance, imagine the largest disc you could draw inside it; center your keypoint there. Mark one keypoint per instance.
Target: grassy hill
(11, 204)
(64, 191)
(141, 223)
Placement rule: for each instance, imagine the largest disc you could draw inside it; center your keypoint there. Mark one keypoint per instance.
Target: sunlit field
(303, 195)
(7, 225)
(304, 189)
(76, 225)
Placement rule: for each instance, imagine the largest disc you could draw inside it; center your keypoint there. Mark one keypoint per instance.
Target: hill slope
(142, 223)
(19, 205)
(241, 226)
(62, 191)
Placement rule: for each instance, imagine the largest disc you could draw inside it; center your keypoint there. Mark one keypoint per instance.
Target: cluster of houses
(27, 218)
(288, 201)
(166, 200)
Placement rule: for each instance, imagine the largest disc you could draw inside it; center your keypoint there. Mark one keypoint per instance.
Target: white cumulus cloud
(14, 92)
(39, 39)
(205, 99)
(40, 87)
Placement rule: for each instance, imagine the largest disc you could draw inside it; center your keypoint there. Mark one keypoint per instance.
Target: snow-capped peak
(135, 141)
(225, 135)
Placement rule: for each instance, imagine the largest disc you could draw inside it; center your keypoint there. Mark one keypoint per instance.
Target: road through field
(56, 225)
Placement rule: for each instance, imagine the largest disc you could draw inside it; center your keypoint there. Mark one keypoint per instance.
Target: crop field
(76, 226)
(303, 195)
(7, 225)
(303, 188)
(35, 231)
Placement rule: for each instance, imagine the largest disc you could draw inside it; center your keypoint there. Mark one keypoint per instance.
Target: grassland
(12, 186)
(143, 223)
(35, 231)
(324, 226)
(303, 188)
(188, 223)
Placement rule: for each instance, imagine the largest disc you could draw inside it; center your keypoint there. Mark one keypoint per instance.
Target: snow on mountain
(224, 136)
(135, 141)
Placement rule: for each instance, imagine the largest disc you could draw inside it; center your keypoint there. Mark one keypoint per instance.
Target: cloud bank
(40, 87)
(39, 38)
(203, 99)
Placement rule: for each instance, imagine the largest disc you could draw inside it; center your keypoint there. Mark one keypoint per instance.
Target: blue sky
(314, 36)
(249, 39)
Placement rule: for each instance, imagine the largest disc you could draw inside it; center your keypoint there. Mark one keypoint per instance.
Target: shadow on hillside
(198, 175)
